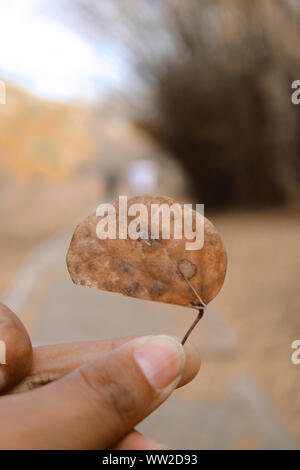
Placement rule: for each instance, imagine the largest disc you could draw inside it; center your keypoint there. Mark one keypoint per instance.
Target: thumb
(97, 404)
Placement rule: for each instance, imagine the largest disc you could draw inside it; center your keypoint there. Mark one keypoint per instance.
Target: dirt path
(261, 303)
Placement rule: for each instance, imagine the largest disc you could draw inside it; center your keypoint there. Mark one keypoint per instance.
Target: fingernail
(161, 359)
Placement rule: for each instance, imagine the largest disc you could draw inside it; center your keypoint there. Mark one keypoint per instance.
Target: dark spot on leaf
(187, 268)
(127, 290)
(91, 265)
(157, 289)
(108, 285)
(131, 289)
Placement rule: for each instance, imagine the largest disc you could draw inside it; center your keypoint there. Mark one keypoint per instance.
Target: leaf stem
(198, 318)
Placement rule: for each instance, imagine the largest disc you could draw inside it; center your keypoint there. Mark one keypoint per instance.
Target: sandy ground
(261, 302)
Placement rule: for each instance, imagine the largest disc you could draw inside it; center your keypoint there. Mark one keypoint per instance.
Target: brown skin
(18, 349)
(80, 409)
(53, 362)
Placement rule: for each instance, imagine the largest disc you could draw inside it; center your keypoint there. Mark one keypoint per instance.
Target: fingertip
(193, 364)
(134, 440)
(17, 348)
(162, 360)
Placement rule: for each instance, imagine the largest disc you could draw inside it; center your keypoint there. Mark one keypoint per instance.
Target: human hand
(96, 392)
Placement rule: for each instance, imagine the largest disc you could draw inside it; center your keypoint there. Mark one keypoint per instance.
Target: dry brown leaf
(161, 270)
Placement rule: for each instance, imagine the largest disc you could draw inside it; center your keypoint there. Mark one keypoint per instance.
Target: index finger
(52, 362)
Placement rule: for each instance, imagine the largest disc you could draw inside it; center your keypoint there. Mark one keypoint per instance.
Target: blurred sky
(39, 51)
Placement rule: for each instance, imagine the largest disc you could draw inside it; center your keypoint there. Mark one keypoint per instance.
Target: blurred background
(187, 99)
